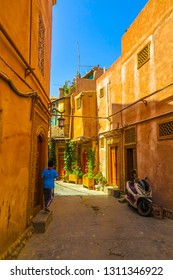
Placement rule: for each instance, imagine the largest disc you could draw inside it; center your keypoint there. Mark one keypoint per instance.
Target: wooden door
(61, 167)
(113, 165)
(38, 192)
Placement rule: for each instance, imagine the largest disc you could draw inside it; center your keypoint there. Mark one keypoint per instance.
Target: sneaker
(47, 209)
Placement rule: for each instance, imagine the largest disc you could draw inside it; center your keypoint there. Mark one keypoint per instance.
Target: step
(41, 221)
(112, 191)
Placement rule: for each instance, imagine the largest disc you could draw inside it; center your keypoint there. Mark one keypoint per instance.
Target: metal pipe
(89, 117)
(30, 35)
(138, 122)
(141, 99)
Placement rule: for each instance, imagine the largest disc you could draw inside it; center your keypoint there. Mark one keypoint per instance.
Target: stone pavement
(98, 227)
(71, 189)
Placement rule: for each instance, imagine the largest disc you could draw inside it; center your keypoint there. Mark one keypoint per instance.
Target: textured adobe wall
(21, 119)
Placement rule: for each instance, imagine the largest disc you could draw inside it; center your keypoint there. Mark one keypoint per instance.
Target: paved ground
(98, 227)
(71, 189)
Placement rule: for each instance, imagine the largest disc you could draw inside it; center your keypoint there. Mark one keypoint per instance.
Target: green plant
(52, 154)
(68, 88)
(90, 156)
(65, 176)
(100, 178)
(69, 157)
(78, 172)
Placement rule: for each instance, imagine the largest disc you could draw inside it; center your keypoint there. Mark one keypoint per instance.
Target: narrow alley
(98, 227)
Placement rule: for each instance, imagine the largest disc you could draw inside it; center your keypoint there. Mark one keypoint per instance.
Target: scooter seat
(144, 184)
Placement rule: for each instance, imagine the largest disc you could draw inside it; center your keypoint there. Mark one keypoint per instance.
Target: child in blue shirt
(49, 174)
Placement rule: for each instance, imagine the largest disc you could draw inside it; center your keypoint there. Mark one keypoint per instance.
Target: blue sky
(94, 29)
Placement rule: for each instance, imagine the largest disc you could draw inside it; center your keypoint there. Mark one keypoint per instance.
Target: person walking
(49, 175)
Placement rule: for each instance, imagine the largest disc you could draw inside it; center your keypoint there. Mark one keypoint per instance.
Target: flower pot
(88, 182)
(73, 178)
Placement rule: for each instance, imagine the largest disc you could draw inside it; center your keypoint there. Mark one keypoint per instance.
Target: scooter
(139, 194)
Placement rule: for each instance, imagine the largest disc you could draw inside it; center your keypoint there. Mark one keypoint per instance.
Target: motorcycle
(139, 194)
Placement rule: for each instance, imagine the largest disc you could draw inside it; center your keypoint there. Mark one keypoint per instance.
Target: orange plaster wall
(153, 155)
(128, 84)
(14, 162)
(22, 24)
(16, 123)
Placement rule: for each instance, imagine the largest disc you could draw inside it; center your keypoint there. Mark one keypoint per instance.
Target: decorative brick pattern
(39, 126)
(41, 37)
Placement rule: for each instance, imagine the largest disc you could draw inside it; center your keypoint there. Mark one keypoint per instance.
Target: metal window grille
(130, 135)
(144, 55)
(166, 130)
(41, 37)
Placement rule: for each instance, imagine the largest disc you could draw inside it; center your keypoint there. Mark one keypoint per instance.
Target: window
(143, 56)
(78, 103)
(102, 92)
(165, 130)
(130, 135)
(41, 35)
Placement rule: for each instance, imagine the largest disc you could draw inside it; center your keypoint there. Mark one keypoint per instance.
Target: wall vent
(102, 92)
(130, 135)
(78, 103)
(165, 130)
(143, 56)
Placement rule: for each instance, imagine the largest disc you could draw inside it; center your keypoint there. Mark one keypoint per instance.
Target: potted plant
(88, 178)
(65, 177)
(78, 173)
(100, 180)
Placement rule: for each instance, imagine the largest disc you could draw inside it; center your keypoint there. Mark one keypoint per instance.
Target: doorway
(61, 171)
(113, 164)
(130, 160)
(38, 192)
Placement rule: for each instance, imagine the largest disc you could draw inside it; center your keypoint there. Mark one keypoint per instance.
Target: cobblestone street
(99, 227)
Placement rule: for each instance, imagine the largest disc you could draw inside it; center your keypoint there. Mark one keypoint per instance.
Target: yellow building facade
(79, 109)
(138, 89)
(25, 52)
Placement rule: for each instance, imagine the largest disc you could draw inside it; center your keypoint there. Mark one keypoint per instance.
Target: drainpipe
(30, 35)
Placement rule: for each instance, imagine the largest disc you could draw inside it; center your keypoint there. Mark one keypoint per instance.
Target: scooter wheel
(144, 207)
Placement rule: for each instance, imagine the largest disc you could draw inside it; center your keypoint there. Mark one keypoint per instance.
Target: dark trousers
(48, 196)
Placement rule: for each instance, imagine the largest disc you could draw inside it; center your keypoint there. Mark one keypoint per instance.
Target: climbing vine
(69, 157)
